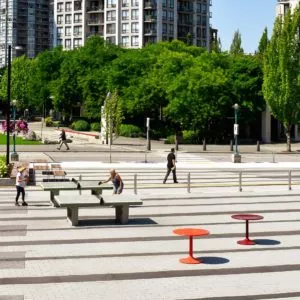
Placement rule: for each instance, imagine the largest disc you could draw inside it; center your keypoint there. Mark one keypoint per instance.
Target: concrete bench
(56, 187)
(120, 202)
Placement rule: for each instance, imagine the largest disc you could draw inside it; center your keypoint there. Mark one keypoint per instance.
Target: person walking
(21, 181)
(117, 181)
(171, 166)
(63, 140)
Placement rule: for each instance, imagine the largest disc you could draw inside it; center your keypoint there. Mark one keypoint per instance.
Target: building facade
(131, 23)
(26, 24)
(271, 128)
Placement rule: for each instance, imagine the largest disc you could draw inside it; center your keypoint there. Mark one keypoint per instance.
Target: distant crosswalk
(183, 157)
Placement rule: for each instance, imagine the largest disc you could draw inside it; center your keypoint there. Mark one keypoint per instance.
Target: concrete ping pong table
(56, 187)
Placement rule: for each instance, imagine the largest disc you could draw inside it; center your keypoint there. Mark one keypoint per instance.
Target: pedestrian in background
(171, 166)
(117, 181)
(21, 180)
(63, 140)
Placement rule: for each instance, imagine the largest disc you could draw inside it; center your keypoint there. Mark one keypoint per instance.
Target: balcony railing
(95, 8)
(150, 18)
(95, 21)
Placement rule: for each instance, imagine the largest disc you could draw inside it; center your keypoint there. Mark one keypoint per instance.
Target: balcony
(111, 19)
(95, 21)
(150, 5)
(94, 8)
(149, 32)
(150, 18)
(100, 33)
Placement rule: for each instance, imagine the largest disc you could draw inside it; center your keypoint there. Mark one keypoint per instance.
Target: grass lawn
(19, 141)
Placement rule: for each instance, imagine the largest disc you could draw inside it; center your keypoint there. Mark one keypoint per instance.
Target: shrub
(95, 127)
(129, 130)
(49, 122)
(80, 125)
(3, 166)
(189, 137)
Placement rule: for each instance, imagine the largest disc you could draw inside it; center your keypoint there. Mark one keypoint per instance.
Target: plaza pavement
(43, 257)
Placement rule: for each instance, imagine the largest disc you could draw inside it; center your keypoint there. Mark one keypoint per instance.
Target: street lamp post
(236, 157)
(14, 156)
(8, 103)
(108, 97)
(8, 98)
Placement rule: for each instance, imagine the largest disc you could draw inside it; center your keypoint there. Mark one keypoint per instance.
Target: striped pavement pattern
(43, 257)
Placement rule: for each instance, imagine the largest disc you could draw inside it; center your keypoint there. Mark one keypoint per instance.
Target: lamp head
(236, 106)
(14, 102)
(108, 96)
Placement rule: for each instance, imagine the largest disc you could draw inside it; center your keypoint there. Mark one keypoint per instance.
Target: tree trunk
(288, 139)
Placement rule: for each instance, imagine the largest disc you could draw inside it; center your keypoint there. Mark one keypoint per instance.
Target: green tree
(281, 87)
(263, 43)
(236, 45)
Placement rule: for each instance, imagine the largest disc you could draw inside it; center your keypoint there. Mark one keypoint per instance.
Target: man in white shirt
(21, 180)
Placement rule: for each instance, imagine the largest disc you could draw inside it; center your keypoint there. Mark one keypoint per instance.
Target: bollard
(189, 182)
(231, 145)
(290, 180)
(273, 157)
(204, 145)
(135, 184)
(80, 177)
(257, 146)
(145, 157)
(240, 181)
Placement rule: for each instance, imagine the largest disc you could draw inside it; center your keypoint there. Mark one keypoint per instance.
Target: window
(111, 3)
(68, 31)
(134, 41)
(59, 19)
(170, 29)
(134, 3)
(68, 19)
(171, 15)
(77, 43)
(134, 27)
(111, 28)
(125, 3)
(77, 5)
(68, 6)
(164, 28)
(111, 39)
(77, 30)
(164, 3)
(135, 14)
(171, 3)
(125, 28)
(77, 18)
(164, 15)
(204, 8)
(111, 15)
(125, 41)
(125, 14)
(68, 44)
(59, 31)
(60, 7)
(59, 42)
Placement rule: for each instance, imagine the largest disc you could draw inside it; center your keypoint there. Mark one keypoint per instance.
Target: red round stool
(247, 218)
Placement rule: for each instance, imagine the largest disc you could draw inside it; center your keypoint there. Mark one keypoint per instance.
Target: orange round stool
(190, 232)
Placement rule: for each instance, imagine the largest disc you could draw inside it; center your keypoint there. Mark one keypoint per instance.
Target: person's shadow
(213, 260)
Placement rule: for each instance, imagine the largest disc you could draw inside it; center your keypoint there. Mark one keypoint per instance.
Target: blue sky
(249, 16)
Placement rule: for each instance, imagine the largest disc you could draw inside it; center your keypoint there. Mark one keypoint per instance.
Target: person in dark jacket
(171, 166)
(63, 140)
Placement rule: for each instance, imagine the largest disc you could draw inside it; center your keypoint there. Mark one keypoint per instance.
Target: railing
(199, 180)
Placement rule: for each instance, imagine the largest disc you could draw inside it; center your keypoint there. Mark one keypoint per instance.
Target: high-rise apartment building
(131, 23)
(26, 24)
(284, 5)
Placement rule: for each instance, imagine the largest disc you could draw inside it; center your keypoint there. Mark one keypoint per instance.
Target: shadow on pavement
(213, 260)
(266, 242)
(106, 222)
